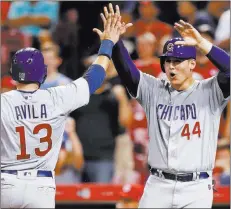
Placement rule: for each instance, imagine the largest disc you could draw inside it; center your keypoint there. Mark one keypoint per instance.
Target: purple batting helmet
(177, 51)
(28, 66)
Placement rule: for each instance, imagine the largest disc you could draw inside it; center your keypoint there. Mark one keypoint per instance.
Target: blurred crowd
(106, 141)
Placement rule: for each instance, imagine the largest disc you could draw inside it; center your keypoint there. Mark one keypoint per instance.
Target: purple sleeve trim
(125, 67)
(220, 59)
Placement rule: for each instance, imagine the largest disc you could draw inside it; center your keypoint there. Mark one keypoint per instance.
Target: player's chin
(174, 80)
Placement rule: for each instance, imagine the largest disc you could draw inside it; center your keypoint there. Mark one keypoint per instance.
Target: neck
(51, 75)
(27, 87)
(185, 85)
(148, 59)
(149, 20)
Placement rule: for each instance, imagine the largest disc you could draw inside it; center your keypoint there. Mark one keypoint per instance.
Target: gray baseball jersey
(32, 124)
(183, 125)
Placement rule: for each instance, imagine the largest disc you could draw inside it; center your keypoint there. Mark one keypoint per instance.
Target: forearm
(222, 61)
(77, 151)
(125, 67)
(61, 161)
(216, 55)
(103, 61)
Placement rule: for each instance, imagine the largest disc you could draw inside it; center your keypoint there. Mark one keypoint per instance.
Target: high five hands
(113, 27)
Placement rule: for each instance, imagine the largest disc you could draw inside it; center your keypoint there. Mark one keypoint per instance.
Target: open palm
(190, 35)
(123, 26)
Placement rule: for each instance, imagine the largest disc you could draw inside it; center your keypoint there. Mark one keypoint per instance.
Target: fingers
(180, 43)
(185, 24)
(114, 20)
(105, 12)
(178, 27)
(97, 31)
(118, 24)
(108, 22)
(111, 9)
(117, 10)
(182, 22)
(182, 25)
(128, 25)
(103, 19)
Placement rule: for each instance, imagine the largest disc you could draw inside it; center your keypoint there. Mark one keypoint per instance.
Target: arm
(221, 60)
(77, 151)
(125, 67)
(76, 146)
(96, 72)
(216, 55)
(61, 161)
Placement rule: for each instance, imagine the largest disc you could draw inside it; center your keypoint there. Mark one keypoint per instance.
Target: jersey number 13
(21, 130)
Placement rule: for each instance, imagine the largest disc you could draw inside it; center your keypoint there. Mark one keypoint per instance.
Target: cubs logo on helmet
(177, 51)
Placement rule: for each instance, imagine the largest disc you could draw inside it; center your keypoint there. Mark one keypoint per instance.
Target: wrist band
(106, 48)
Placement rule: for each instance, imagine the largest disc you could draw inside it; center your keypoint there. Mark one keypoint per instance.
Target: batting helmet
(177, 51)
(28, 66)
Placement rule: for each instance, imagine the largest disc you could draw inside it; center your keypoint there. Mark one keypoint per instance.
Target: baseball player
(183, 118)
(32, 122)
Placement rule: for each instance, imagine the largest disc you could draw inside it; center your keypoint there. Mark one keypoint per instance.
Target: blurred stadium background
(103, 159)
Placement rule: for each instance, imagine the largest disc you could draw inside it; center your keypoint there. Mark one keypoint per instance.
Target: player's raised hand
(190, 35)
(110, 11)
(112, 28)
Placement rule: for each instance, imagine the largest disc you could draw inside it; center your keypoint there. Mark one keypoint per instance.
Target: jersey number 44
(196, 130)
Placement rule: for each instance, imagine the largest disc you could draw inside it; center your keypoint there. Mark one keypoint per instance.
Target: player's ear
(192, 64)
(59, 61)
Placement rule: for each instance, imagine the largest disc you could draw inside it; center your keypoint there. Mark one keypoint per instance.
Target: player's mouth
(172, 75)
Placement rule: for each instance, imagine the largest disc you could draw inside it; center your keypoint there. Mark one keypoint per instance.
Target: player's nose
(171, 65)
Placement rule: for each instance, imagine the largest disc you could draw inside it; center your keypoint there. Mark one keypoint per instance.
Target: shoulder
(62, 79)
(9, 94)
(9, 97)
(152, 79)
(208, 82)
(225, 15)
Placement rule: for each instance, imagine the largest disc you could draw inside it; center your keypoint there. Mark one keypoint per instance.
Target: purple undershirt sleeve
(125, 67)
(222, 61)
